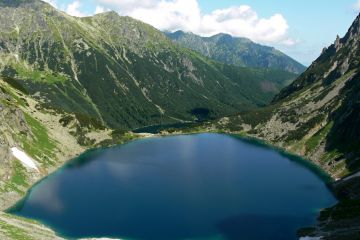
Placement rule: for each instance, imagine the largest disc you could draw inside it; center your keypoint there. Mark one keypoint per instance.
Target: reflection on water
(272, 226)
(206, 186)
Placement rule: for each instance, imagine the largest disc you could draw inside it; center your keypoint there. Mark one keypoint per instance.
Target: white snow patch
(24, 158)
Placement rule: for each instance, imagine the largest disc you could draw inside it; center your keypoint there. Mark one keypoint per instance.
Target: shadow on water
(292, 157)
(84, 158)
(272, 227)
(155, 129)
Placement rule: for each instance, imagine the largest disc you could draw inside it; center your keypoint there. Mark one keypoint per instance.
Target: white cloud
(73, 9)
(243, 21)
(357, 6)
(171, 15)
(101, 9)
(126, 5)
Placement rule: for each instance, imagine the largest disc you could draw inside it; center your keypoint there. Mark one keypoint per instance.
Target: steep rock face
(117, 71)
(321, 108)
(237, 51)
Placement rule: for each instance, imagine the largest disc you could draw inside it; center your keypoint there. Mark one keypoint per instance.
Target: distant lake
(205, 186)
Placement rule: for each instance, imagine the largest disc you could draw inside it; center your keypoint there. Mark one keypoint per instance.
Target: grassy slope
(119, 71)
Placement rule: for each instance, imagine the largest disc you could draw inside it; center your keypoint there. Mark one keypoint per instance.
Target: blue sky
(301, 29)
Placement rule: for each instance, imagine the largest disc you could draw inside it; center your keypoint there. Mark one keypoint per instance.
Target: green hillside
(118, 71)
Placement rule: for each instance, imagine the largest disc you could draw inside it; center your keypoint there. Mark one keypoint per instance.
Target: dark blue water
(206, 186)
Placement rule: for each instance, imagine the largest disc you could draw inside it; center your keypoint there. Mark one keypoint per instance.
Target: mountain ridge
(236, 51)
(142, 77)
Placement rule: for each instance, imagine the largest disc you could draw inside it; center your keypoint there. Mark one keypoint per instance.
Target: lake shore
(205, 138)
(134, 137)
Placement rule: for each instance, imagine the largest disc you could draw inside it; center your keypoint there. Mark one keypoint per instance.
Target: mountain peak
(222, 36)
(353, 32)
(355, 27)
(115, 16)
(225, 37)
(342, 55)
(111, 13)
(179, 32)
(356, 22)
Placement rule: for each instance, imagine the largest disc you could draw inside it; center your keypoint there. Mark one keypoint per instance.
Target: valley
(70, 84)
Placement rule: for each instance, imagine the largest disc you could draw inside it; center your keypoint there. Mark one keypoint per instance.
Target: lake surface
(206, 186)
